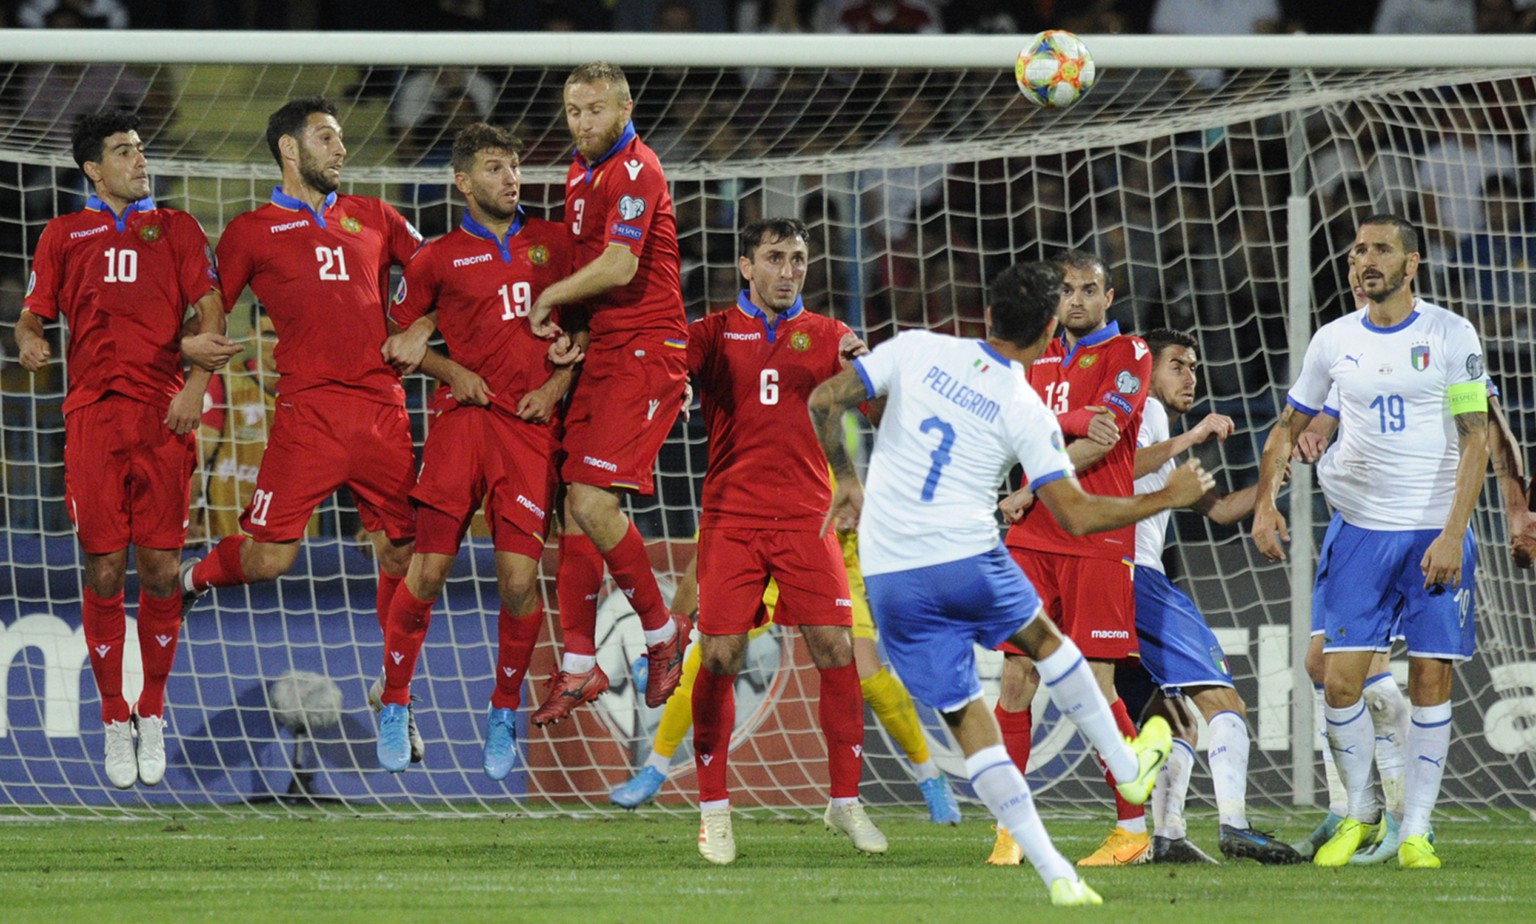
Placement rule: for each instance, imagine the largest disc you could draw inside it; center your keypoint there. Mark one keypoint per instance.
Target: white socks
(1389, 715)
(1001, 786)
(1352, 738)
(1429, 739)
(1338, 799)
(1228, 756)
(1070, 684)
(1171, 790)
(577, 664)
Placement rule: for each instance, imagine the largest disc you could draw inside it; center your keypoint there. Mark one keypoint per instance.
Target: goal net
(1222, 198)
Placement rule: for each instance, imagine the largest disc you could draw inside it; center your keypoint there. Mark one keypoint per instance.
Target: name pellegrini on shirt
(960, 395)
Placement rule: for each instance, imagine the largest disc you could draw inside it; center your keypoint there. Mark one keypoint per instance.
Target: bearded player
(319, 261)
(619, 211)
(1094, 380)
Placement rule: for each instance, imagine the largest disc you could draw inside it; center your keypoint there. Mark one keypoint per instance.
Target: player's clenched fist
(35, 354)
(1270, 532)
(1188, 483)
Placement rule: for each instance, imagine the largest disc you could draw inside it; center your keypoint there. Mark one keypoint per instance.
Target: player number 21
(515, 299)
(261, 502)
(940, 455)
(333, 264)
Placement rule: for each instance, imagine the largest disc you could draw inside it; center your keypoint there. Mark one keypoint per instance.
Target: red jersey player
(620, 213)
(122, 272)
(319, 262)
(494, 435)
(766, 492)
(1095, 380)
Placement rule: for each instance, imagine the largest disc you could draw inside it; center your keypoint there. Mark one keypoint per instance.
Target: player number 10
(515, 299)
(122, 265)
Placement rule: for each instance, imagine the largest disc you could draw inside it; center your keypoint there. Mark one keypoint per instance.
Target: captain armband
(1468, 398)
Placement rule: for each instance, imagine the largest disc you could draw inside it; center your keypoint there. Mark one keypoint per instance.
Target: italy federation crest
(1418, 357)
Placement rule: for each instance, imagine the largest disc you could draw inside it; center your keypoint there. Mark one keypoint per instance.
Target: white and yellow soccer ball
(1054, 70)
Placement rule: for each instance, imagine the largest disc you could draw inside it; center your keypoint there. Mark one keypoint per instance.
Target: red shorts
(734, 568)
(621, 412)
(127, 477)
(315, 447)
(1092, 600)
(478, 454)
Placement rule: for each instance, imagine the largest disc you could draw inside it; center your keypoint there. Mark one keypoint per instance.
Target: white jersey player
(1413, 409)
(958, 415)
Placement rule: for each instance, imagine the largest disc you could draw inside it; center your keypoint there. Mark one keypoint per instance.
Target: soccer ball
(1054, 70)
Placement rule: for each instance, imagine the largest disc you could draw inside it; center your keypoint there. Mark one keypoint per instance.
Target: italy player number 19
(1391, 409)
(940, 455)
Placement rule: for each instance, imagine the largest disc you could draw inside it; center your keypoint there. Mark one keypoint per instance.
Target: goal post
(1222, 202)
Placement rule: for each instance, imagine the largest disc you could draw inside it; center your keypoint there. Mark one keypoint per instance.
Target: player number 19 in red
(515, 300)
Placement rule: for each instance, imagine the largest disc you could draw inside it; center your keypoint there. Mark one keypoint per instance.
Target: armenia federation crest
(351, 224)
(800, 342)
(538, 255)
(149, 233)
(1087, 361)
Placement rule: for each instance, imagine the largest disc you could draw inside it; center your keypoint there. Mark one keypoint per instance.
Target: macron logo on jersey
(471, 261)
(603, 464)
(733, 335)
(959, 395)
(288, 226)
(74, 235)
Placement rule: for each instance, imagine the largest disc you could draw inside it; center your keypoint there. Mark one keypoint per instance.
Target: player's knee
(1340, 691)
(592, 507)
(395, 556)
(520, 595)
(1314, 663)
(160, 579)
(264, 561)
(106, 576)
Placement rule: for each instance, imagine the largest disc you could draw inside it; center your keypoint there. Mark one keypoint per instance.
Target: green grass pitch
(640, 868)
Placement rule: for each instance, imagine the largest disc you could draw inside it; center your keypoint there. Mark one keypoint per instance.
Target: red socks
(388, 585)
(631, 569)
(222, 566)
(517, 637)
(1124, 811)
(714, 717)
(407, 629)
(578, 579)
(1018, 729)
(841, 711)
(105, 626)
(159, 629)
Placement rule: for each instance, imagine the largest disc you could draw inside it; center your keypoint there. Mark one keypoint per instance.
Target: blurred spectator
(882, 17)
(1214, 17)
(92, 14)
(1507, 16)
(779, 17)
(1496, 263)
(647, 16)
(1426, 17)
(1029, 16)
(430, 108)
(1454, 170)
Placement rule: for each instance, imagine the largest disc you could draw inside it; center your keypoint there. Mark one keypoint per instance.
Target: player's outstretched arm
(1312, 442)
(614, 267)
(828, 403)
(1151, 458)
(186, 409)
(1442, 560)
(1080, 513)
(31, 344)
(1269, 529)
